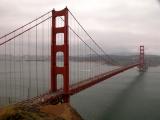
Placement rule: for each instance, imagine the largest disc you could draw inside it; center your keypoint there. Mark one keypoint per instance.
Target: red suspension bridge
(53, 57)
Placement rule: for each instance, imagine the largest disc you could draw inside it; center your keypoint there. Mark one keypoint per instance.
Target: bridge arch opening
(60, 21)
(60, 59)
(60, 39)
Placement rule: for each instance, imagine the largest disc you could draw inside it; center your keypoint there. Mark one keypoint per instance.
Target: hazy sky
(117, 25)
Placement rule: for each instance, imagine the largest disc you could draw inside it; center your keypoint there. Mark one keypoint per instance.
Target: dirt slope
(43, 112)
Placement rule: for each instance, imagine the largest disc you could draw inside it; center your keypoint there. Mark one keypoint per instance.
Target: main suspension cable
(93, 39)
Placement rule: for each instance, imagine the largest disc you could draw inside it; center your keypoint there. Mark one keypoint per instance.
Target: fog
(117, 25)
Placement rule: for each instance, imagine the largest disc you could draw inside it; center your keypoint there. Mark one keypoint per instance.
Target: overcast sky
(117, 25)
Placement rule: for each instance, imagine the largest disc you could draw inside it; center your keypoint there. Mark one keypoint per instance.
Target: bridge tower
(142, 64)
(64, 48)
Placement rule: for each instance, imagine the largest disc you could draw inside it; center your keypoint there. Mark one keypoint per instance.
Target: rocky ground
(43, 112)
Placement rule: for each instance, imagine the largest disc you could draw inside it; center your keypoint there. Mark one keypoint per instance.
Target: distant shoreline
(151, 60)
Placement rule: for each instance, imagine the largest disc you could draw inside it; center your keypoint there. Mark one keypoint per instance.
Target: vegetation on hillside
(45, 112)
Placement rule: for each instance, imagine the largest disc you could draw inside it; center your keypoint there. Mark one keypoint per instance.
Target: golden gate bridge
(52, 58)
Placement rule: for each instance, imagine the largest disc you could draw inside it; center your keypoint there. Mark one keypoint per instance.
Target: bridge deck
(75, 88)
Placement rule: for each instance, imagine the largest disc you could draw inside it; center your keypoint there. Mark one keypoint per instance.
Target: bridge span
(58, 38)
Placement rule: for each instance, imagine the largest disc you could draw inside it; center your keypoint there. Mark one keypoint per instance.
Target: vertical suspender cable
(43, 59)
(20, 72)
(48, 74)
(29, 66)
(36, 63)
(23, 66)
(10, 66)
(6, 78)
(14, 69)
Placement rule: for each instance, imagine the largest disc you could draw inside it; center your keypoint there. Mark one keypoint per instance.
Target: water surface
(128, 96)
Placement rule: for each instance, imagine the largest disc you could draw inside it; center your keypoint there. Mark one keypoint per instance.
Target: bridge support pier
(64, 48)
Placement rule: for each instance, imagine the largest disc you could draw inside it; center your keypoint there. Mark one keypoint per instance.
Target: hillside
(43, 112)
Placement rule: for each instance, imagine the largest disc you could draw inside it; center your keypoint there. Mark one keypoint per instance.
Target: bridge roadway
(75, 88)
